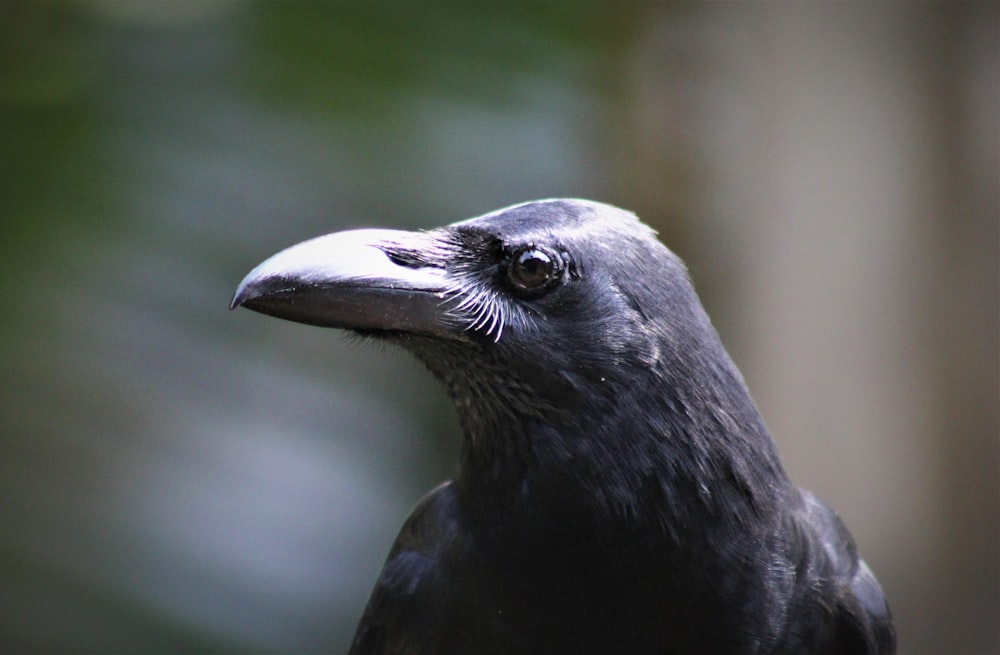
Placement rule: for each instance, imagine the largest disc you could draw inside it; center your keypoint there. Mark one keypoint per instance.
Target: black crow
(617, 491)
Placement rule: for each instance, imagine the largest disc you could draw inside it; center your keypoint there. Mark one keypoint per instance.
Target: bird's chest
(545, 580)
(560, 569)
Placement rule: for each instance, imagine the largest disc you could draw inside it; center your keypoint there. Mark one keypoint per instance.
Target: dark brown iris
(532, 269)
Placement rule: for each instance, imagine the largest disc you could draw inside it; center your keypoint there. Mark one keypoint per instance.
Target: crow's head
(551, 321)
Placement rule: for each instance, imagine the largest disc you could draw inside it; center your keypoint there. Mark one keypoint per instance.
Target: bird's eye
(532, 269)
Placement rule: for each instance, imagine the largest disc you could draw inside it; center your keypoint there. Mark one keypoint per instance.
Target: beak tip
(244, 293)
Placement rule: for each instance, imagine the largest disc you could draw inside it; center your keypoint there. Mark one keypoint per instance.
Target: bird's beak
(347, 280)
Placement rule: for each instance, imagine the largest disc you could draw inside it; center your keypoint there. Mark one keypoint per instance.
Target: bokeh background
(176, 478)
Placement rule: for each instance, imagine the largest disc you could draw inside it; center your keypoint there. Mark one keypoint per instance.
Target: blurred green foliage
(370, 56)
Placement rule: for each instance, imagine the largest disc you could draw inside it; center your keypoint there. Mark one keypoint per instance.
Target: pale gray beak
(350, 280)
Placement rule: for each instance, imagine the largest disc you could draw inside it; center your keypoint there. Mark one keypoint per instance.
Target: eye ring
(533, 269)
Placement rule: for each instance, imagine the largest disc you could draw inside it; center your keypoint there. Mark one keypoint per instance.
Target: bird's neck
(674, 462)
(662, 446)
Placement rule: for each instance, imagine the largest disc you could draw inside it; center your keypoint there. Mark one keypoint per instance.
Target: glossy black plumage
(618, 491)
